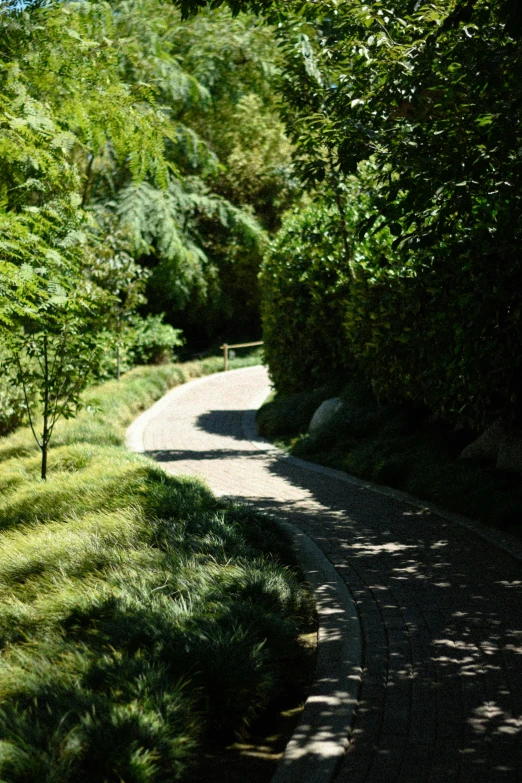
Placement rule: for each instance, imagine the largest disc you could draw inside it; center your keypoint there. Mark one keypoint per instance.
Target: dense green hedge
(436, 333)
(305, 283)
(438, 330)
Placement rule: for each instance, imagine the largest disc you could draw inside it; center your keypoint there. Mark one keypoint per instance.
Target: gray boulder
(487, 445)
(510, 452)
(324, 413)
(498, 444)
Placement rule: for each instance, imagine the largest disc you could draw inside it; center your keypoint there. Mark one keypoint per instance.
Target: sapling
(51, 356)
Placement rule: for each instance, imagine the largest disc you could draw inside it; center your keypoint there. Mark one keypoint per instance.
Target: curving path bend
(440, 608)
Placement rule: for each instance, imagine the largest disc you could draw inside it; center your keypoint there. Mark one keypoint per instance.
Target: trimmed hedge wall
(439, 329)
(305, 284)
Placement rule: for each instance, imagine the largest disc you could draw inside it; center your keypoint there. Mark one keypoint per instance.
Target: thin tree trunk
(118, 355)
(44, 461)
(45, 434)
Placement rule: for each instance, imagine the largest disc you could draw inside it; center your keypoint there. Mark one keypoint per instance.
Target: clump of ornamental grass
(139, 617)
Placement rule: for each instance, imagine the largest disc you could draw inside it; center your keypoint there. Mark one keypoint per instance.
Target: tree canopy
(142, 161)
(186, 129)
(429, 95)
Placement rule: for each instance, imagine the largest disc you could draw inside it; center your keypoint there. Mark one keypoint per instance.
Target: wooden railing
(226, 347)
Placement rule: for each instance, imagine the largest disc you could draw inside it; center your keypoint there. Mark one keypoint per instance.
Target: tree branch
(26, 399)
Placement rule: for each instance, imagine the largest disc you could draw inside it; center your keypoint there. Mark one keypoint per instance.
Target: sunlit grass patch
(108, 481)
(139, 615)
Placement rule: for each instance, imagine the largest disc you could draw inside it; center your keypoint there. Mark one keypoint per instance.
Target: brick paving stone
(386, 763)
(440, 607)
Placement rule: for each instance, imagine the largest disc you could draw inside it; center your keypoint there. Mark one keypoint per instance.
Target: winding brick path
(440, 608)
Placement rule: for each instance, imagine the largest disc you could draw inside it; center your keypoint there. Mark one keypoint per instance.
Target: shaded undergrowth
(140, 617)
(396, 445)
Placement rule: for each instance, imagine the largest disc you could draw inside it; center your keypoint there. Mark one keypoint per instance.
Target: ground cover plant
(141, 617)
(398, 445)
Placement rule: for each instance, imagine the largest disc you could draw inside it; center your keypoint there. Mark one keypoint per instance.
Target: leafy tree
(237, 60)
(117, 171)
(257, 158)
(51, 357)
(201, 240)
(431, 94)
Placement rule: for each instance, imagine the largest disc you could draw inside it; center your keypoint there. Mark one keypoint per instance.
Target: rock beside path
(498, 444)
(510, 452)
(324, 413)
(486, 446)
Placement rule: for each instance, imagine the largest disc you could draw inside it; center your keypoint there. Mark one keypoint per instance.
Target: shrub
(140, 341)
(152, 341)
(139, 615)
(305, 283)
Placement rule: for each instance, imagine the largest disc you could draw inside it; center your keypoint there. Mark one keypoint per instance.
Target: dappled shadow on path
(440, 610)
(441, 613)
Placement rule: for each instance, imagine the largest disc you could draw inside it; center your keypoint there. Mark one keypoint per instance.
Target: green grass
(140, 617)
(399, 446)
(110, 408)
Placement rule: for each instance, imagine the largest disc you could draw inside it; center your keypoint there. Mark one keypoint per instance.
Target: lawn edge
(322, 734)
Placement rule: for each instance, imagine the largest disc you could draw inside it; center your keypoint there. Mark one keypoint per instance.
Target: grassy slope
(110, 408)
(399, 447)
(139, 616)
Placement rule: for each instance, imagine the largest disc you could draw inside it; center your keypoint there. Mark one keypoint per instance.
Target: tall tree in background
(431, 95)
(117, 112)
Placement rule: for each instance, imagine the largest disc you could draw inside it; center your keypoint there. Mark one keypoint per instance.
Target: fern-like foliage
(165, 223)
(116, 111)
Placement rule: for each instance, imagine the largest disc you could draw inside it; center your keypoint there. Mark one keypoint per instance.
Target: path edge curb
(321, 737)
(508, 543)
